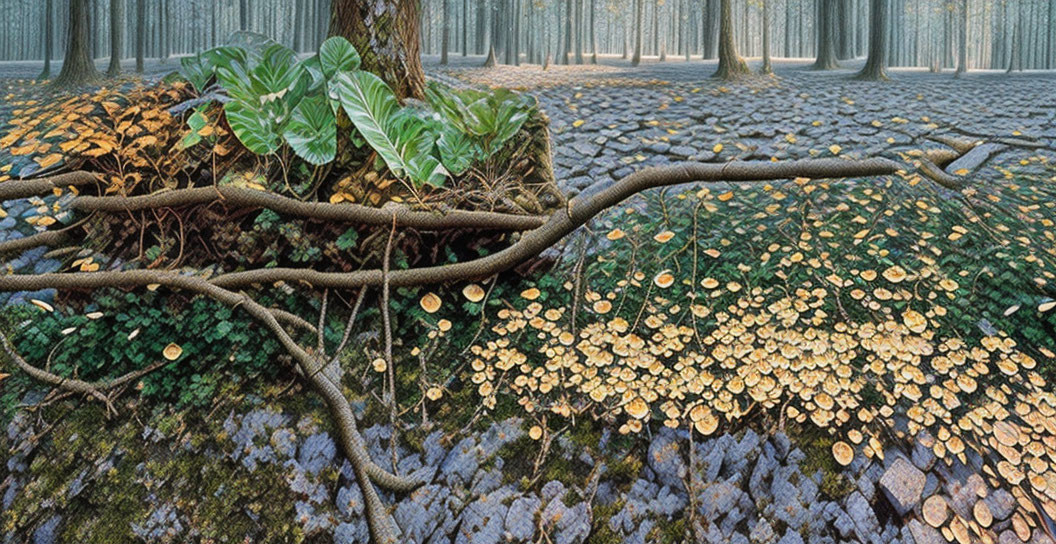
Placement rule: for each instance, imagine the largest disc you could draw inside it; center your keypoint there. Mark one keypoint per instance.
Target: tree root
(101, 390)
(582, 208)
(352, 443)
(546, 233)
(938, 175)
(321, 211)
(23, 188)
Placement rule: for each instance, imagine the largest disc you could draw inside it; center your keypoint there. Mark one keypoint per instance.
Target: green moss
(602, 533)
(817, 448)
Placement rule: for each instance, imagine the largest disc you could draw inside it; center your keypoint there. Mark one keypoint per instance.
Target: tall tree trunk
(875, 68)
(766, 68)
(731, 65)
(493, 58)
(566, 56)
(639, 10)
(49, 38)
(962, 56)
(141, 33)
(117, 36)
(77, 65)
(593, 33)
(445, 33)
(708, 26)
(386, 34)
(465, 28)
(243, 15)
(826, 36)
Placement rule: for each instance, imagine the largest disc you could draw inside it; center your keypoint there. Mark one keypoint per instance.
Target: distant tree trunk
(49, 38)
(731, 65)
(593, 33)
(875, 68)
(243, 15)
(493, 59)
(386, 34)
(465, 28)
(639, 10)
(168, 30)
(766, 68)
(962, 56)
(516, 34)
(117, 36)
(445, 33)
(708, 27)
(77, 65)
(141, 33)
(566, 56)
(826, 36)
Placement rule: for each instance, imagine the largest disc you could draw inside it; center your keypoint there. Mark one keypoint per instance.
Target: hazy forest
(539, 271)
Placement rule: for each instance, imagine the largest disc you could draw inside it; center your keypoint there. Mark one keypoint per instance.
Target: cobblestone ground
(609, 119)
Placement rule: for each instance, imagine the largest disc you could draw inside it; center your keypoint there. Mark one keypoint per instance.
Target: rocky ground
(266, 472)
(609, 119)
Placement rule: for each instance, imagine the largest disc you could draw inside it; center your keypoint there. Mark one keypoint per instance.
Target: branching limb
(23, 188)
(242, 197)
(582, 208)
(367, 473)
(97, 390)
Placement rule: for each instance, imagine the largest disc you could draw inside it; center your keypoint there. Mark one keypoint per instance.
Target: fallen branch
(24, 188)
(352, 442)
(322, 211)
(581, 209)
(92, 389)
(938, 175)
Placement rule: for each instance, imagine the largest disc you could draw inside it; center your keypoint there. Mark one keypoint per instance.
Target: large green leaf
(252, 127)
(338, 55)
(457, 151)
(402, 140)
(312, 131)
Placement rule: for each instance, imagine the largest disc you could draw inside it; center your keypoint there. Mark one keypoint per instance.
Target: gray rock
(903, 484)
(924, 534)
(862, 515)
(520, 519)
(761, 532)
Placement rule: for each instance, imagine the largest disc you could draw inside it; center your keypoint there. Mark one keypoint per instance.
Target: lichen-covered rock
(903, 485)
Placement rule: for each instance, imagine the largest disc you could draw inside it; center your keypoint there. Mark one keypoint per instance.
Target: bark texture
(875, 68)
(77, 66)
(731, 65)
(386, 34)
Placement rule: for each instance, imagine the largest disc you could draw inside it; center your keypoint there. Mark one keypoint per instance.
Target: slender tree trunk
(493, 59)
(386, 34)
(766, 68)
(731, 65)
(826, 36)
(77, 65)
(566, 56)
(141, 33)
(49, 38)
(875, 68)
(243, 15)
(465, 28)
(639, 10)
(445, 33)
(593, 33)
(962, 56)
(117, 36)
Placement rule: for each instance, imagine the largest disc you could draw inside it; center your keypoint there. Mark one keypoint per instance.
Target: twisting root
(367, 473)
(545, 234)
(98, 390)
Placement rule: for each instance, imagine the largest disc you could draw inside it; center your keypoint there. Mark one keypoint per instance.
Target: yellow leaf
(49, 160)
(717, 148)
(578, 123)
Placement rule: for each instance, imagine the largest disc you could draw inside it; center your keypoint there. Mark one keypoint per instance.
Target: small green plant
(122, 332)
(273, 101)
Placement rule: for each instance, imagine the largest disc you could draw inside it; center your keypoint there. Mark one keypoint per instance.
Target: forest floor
(850, 286)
